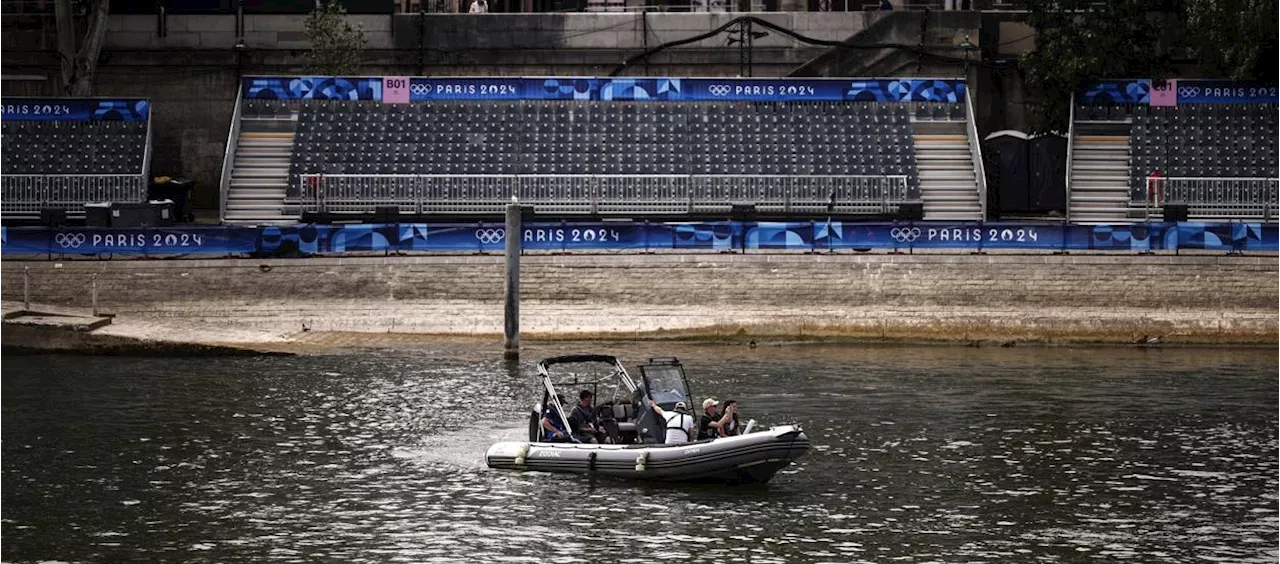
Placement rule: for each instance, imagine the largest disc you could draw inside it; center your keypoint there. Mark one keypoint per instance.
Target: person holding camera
(733, 426)
(712, 423)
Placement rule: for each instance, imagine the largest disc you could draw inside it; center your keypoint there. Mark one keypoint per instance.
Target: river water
(922, 454)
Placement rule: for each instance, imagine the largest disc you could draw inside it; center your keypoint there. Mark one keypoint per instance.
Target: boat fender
(521, 454)
(640, 460)
(591, 462)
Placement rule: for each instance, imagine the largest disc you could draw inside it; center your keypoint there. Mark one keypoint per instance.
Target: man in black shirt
(711, 425)
(581, 421)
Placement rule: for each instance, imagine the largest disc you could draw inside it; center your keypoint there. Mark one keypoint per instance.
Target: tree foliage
(1079, 42)
(78, 54)
(1233, 39)
(336, 45)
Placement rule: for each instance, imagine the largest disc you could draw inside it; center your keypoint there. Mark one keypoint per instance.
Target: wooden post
(511, 311)
(95, 294)
(26, 288)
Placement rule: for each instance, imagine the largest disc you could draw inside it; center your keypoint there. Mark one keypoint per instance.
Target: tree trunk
(66, 28)
(80, 61)
(95, 35)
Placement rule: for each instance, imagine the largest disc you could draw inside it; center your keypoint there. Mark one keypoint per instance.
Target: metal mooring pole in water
(26, 288)
(511, 313)
(95, 294)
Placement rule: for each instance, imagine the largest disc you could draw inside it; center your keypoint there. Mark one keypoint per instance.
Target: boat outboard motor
(649, 427)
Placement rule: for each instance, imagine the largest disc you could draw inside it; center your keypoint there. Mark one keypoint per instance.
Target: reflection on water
(930, 454)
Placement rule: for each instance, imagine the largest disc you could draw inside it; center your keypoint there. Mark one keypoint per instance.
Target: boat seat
(624, 412)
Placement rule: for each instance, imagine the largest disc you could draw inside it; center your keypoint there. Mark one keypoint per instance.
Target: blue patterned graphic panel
(1137, 91)
(616, 89)
(73, 109)
(769, 235)
(1216, 236)
(313, 88)
(907, 90)
(308, 239)
(722, 236)
(1125, 236)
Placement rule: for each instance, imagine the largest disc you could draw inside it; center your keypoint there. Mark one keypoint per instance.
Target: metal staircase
(260, 173)
(948, 182)
(1099, 176)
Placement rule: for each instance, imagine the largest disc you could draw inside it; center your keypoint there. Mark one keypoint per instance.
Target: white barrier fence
(588, 194)
(1219, 198)
(26, 194)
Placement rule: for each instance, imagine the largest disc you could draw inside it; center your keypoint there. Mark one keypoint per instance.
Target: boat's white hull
(752, 458)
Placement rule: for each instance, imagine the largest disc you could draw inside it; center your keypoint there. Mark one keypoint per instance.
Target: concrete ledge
(945, 297)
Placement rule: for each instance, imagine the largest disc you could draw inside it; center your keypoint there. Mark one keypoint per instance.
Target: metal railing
(146, 152)
(1071, 147)
(590, 194)
(229, 155)
(975, 149)
(1254, 198)
(26, 194)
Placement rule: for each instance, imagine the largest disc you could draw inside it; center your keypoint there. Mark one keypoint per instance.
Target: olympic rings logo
(69, 240)
(1188, 91)
(905, 234)
(419, 89)
(719, 89)
(490, 236)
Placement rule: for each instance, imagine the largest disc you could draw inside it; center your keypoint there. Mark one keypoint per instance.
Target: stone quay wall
(1041, 298)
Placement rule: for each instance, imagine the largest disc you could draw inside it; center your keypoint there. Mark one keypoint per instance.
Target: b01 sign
(395, 90)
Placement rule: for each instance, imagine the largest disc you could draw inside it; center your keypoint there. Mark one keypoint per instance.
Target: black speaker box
(97, 215)
(910, 211)
(132, 214)
(386, 214)
(1175, 212)
(53, 217)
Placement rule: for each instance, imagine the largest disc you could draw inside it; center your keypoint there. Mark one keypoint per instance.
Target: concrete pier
(511, 286)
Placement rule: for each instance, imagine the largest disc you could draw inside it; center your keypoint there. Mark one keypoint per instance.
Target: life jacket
(675, 422)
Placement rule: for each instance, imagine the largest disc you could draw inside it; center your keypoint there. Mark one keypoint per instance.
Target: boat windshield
(666, 385)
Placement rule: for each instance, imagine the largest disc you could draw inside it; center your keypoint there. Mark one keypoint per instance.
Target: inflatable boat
(631, 435)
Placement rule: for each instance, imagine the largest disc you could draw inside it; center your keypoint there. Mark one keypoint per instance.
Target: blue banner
(1192, 91)
(312, 88)
(153, 241)
(568, 236)
(74, 109)
(423, 89)
(1226, 92)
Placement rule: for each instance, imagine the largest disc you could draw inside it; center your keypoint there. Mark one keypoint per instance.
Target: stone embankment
(275, 304)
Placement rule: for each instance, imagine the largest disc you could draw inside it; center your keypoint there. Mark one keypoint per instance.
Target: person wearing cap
(553, 427)
(712, 423)
(679, 422)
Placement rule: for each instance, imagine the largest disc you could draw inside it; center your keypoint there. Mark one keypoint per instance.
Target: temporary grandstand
(1212, 150)
(602, 147)
(61, 153)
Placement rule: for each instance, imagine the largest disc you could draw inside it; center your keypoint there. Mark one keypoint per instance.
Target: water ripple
(920, 455)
